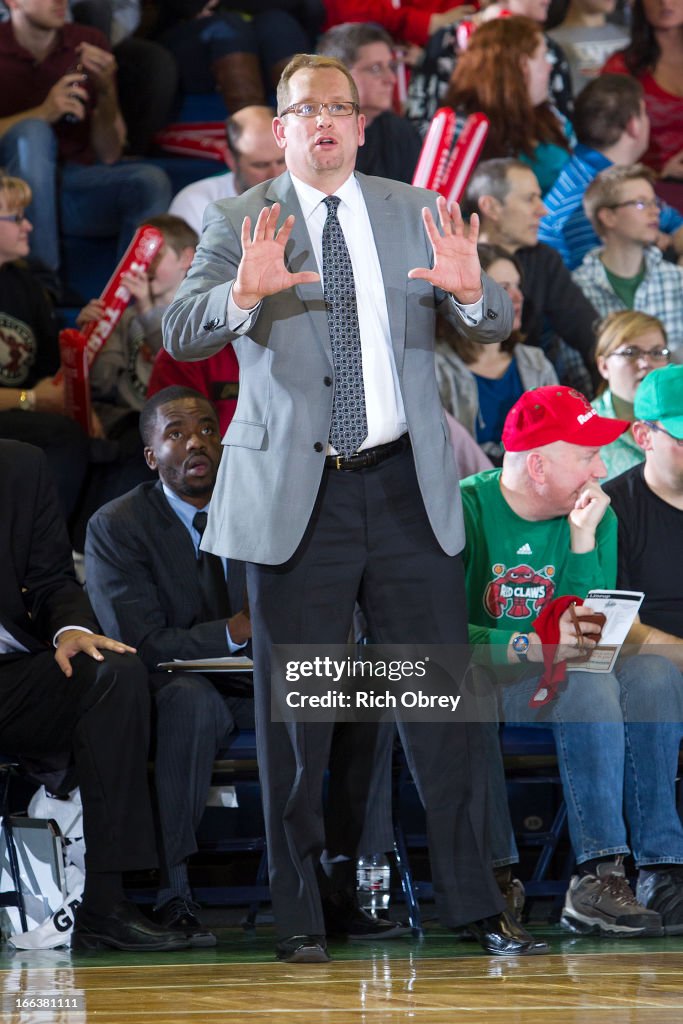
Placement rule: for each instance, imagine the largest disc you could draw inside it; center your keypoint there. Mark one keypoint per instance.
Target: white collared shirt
(383, 400)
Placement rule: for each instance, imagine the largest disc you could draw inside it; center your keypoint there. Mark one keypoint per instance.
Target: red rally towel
(547, 625)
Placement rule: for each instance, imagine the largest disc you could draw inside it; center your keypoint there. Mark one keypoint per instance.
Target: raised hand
(456, 263)
(585, 517)
(262, 269)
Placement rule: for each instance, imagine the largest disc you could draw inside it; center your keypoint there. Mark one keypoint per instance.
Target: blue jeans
(617, 737)
(86, 200)
(273, 36)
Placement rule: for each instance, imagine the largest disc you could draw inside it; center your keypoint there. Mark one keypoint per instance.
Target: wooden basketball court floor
(437, 980)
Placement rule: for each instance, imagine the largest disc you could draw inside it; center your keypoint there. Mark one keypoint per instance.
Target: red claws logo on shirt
(17, 351)
(518, 592)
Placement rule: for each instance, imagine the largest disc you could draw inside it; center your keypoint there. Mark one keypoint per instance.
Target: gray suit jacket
(142, 580)
(275, 446)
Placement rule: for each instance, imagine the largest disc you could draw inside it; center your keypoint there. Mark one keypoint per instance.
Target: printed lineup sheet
(620, 608)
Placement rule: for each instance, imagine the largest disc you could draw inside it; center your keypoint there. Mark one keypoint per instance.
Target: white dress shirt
(383, 401)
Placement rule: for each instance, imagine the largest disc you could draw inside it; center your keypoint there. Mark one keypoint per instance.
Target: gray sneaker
(604, 904)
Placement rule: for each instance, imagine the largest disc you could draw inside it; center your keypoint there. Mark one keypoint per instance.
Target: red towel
(547, 625)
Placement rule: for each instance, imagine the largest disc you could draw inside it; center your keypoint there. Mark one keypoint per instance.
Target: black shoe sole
(92, 943)
(305, 955)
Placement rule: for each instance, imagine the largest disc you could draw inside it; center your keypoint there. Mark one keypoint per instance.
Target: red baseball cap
(557, 413)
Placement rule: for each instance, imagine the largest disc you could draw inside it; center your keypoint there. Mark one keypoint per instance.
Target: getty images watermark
(431, 683)
(374, 682)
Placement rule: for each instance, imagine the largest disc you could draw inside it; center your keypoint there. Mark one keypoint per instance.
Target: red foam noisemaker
(435, 149)
(440, 169)
(79, 349)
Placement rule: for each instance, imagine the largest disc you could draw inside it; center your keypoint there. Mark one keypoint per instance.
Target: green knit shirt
(514, 566)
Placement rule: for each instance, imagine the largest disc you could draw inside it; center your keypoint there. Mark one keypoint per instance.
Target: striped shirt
(566, 227)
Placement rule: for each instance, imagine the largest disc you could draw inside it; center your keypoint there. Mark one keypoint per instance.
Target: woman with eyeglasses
(479, 384)
(629, 346)
(31, 404)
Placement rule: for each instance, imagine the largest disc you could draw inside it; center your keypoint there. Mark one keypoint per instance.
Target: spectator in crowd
(29, 355)
(252, 155)
(655, 58)
(414, 21)
(588, 39)
(479, 384)
(392, 145)
(235, 48)
(61, 130)
(504, 73)
(629, 272)
(175, 610)
(612, 127)
(648, 502)
(120, 375)
(67, 690)
(312, 453)
(629, 346)
(538, 530)
(432, 72)
(147, 72)
(555, 315)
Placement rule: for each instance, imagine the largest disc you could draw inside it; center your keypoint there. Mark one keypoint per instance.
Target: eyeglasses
(638, 204)
(660, 430)
(309, 109)
(379, 69)
(657, 355)
(17, 218)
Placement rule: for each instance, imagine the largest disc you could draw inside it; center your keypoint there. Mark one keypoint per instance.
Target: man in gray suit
(324, 522)
(146, 579)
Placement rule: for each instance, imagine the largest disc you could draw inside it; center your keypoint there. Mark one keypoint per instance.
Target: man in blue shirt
(148, 580)
(612, 126)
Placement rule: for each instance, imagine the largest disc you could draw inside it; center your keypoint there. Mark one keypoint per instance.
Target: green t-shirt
(514, 566)
(625, 287)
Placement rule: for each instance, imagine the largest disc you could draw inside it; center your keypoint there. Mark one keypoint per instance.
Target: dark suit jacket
(39, 594)
(141, 573)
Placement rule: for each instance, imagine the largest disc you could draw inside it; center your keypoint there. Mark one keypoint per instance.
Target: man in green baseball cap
(648, 501)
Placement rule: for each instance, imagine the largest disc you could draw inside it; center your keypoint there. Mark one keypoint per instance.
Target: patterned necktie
(214, 589)
(349, 426)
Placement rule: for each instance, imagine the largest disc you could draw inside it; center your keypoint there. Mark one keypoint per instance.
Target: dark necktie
(215, 602)
(349, 426)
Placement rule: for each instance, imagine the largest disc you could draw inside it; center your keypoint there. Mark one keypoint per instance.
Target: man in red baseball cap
(539, 529)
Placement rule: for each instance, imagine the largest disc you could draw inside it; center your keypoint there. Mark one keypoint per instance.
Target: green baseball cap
(660, 397)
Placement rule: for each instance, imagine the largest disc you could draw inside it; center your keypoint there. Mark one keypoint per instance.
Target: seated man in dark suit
(59, 694)
(150, 584)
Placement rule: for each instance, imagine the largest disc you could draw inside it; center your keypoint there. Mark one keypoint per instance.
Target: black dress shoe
(178, 915)
(124, 927)
(503, 935)
(344, 916)
(303, 949)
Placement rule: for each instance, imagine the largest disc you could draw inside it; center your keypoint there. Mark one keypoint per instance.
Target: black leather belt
(368, 457)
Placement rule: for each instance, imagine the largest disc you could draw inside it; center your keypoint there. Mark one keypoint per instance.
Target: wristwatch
(520, 645)
(27, 400)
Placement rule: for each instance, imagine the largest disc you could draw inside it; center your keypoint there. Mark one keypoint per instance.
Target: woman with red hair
(504, 73)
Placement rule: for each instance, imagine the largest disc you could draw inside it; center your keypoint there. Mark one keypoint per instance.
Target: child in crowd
(120, 374)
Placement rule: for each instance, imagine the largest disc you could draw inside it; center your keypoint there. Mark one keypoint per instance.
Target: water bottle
(373, 883)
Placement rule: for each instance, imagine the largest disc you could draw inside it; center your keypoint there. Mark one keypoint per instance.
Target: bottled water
(373, 883)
